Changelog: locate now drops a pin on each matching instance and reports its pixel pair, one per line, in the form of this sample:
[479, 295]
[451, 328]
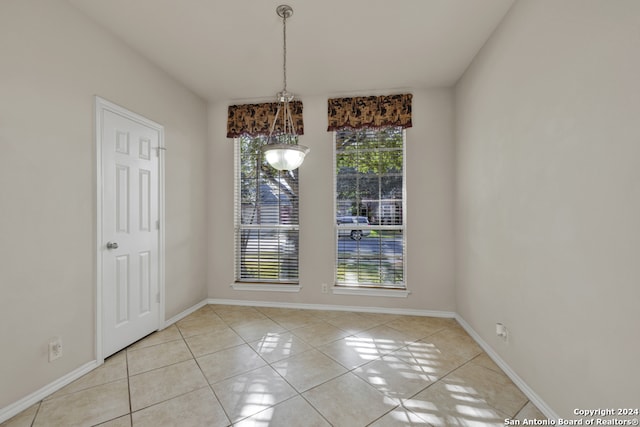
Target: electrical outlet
[501, 331]
[55, 349]
[325, 288]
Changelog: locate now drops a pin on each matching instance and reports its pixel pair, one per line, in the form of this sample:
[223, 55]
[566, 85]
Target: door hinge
[158, 297]
[158, 225]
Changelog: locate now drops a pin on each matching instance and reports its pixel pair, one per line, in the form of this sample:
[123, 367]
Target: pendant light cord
[284, 50]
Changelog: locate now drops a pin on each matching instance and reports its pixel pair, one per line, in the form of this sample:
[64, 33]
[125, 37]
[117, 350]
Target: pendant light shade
[285, 156]
[284, 153]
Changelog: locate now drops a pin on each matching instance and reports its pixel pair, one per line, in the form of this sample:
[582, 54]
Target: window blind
[370, 207]
[266, 217]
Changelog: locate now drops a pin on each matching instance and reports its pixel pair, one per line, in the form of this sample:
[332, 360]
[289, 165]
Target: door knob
[112, 245]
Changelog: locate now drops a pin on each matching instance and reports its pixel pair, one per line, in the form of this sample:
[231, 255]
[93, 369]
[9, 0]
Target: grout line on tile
[164, 401]
[152, 345]
[218, 400]
[385, 414]
[521, 408]
[205, 377]
[314, 408]
[126, 361]
[50, 398]
[33, 421]
[437, 381]
[239, 420]
[160, 367]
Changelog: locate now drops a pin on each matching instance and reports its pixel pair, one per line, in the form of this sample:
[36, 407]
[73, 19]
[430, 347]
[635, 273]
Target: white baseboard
[355, 308]
[15, 408]
[184, 313]
[519, 382]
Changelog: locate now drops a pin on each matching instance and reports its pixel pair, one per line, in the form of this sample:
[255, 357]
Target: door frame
[102, 105]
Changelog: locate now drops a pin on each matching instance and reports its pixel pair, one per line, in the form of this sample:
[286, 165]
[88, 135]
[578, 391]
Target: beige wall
[53, 61]
[548, 198]
[430, 183]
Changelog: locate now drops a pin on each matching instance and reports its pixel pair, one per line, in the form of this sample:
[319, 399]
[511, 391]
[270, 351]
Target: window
[266, 217]
[369, 207]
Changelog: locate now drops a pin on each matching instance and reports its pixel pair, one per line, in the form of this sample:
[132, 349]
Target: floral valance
[370, 111]
[256, 119]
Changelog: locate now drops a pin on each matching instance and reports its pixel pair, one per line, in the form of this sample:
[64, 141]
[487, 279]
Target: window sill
[266, 287]
[370, 292]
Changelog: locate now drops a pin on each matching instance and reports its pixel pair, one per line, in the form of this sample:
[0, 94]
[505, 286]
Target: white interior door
[130, 229]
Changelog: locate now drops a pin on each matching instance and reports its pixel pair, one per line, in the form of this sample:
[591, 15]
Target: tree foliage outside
[369, 170]
[255, 174]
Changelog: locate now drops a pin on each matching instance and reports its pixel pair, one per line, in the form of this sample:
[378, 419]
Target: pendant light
[282, 151]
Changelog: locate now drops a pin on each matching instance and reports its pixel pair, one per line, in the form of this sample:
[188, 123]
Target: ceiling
[232, 49]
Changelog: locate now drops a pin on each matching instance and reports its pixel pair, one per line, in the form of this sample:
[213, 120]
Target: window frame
[256, 284]
[371, 289]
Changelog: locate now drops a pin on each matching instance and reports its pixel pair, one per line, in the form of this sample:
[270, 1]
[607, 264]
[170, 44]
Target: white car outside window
[355, 234]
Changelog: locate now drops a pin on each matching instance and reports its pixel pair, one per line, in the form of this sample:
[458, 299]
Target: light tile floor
[251, 366]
